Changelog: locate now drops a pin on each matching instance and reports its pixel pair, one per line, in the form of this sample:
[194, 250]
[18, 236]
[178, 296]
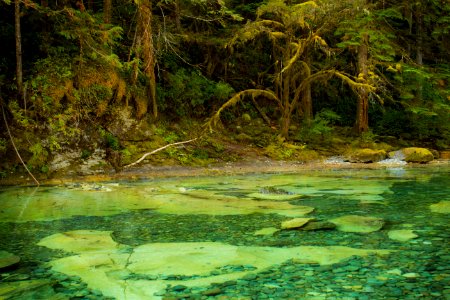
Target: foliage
[190, 93]
[320, 128]
[3, 146]
[93, 39]
[111, 141]
[85, 154]
[367, 21]
[39, 157]
[79, 72]
[279, 151]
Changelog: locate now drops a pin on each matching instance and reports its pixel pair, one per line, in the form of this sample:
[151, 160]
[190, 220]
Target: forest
[293, 79]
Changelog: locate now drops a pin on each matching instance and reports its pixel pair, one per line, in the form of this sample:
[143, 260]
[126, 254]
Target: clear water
[194, 238]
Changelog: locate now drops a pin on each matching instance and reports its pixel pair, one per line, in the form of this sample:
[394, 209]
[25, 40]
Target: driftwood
[15, 148]
[157, 150]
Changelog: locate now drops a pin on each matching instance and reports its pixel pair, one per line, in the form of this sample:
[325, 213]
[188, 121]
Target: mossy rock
[413, 154]
[242, 137]
[246, 118]
[367, 155]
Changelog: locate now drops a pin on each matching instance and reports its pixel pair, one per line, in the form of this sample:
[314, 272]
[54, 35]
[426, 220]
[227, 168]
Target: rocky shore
[247, 164]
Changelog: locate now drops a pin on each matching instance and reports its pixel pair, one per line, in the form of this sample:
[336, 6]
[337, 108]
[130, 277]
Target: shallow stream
[367, 234]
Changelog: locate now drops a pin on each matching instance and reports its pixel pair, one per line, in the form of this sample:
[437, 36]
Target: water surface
[204, 237]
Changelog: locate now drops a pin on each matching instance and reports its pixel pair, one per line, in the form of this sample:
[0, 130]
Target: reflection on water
[221, 237]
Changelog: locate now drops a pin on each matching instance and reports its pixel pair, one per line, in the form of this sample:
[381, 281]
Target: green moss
[366, 155]
[307, 155]
[86, 153]
[278, 152]
[415, 154]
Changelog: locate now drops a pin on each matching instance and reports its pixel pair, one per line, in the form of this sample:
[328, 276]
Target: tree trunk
[147, 50]
[419, 51]
[362, 110]
[91, 5]
[177, 15]
[285, 122]
[306, 102]
[19, 77]
[285, 100]
[107, 14]
[419, 40]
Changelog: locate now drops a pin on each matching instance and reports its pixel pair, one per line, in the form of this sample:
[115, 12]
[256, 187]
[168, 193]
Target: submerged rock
[354, 223]
[120, 198]
[8, 259]
[402, 235]
[281, 197]
[28, 289]
[273, 190]
[413, 154]
[442, 207]
[318, 225]
[194, 264]
[266, 231]
[81, 241]
[295, 223]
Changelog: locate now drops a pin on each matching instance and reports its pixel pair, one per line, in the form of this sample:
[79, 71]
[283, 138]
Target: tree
[290, 32]
[363, 33]
[19, 76]
[144, 50]
[362, 109]
[107, 11]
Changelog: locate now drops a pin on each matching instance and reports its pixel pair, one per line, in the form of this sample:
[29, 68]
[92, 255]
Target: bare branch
[17, 151]
[157, 150]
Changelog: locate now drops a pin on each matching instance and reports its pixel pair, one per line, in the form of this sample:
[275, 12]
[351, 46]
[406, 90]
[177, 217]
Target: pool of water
[367, 234]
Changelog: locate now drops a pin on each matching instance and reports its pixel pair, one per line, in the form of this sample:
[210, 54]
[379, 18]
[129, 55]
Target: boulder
[367, 155]
[413, 154]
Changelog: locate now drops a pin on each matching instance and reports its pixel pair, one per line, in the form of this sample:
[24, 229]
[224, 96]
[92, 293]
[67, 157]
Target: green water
[194, 238]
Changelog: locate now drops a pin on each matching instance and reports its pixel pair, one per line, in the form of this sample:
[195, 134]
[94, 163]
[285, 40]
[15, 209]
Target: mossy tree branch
[254, 93]
[324, 75]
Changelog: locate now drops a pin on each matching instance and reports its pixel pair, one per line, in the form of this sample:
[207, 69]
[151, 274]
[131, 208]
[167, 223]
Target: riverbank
[246, 165]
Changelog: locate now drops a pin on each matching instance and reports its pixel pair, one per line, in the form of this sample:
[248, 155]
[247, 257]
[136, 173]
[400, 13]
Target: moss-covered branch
[326, 74]
[238, 97]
